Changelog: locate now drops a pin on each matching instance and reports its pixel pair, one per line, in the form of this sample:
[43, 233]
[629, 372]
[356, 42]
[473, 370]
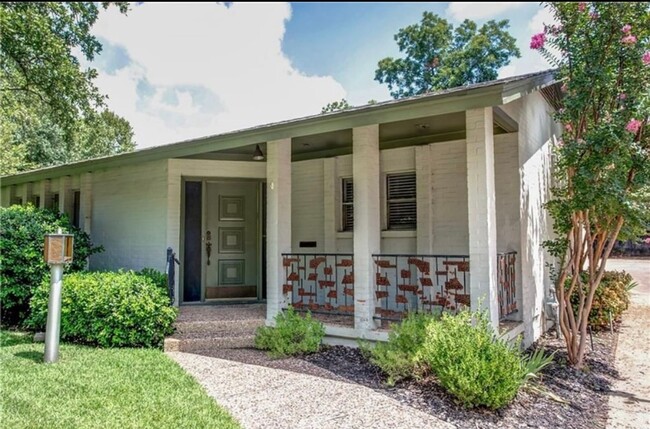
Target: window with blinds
[347, 204]
[400, 196]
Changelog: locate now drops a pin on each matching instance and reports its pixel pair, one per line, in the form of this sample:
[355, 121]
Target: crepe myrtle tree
[602, 162]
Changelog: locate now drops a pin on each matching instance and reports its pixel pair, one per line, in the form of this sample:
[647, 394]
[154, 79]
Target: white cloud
[530, 60]
[460, 11]
[199, 69]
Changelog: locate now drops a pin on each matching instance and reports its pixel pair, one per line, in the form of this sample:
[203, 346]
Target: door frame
[260, 228]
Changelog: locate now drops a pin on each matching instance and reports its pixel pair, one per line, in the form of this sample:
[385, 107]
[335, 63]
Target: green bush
[22, 268]
[399, 357]
[109, 309]
[612, 297]
[292, 335]
[471, 363]
[158, 278]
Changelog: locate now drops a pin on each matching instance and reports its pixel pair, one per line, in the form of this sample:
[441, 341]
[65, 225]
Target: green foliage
[437, 56]
[335, 106]
[292, 335]
[109, 309]
[158, 278]
[51, 111]
[612, 297]
[602, 174]
[22, 268]
[470, 363]
[399, 357]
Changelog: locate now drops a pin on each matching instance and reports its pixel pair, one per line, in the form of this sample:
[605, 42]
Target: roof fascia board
[455, 101]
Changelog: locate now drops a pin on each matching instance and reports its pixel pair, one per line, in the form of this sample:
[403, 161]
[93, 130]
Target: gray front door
[231, 240]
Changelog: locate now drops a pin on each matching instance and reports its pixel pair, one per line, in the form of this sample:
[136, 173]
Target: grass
[99, 388]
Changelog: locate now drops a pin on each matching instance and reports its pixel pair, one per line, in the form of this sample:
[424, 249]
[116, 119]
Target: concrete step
[218, 327]
[196, 343]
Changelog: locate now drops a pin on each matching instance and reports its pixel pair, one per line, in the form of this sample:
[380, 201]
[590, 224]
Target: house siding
[129, 216]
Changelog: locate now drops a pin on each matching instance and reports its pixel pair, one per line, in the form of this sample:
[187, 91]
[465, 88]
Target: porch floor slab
[262, 397]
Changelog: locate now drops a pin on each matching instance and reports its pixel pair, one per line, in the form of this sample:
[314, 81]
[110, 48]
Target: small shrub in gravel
[399, 357]
[470, 363]
[109, 309]
[292, 335]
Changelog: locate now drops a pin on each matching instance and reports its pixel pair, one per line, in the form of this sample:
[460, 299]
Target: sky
[182, 71]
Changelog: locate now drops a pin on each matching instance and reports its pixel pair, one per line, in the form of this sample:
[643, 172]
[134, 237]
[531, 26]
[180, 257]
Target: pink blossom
[568, 128]
[647, 240]
[626, 28]
[564, 87]
[594, 15]
[629, 39]
[622, 96]
[633, 126]
[582, 6]
[646, 58]
[537, 41]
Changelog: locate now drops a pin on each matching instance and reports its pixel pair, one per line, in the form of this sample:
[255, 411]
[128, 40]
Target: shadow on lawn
[33, 356]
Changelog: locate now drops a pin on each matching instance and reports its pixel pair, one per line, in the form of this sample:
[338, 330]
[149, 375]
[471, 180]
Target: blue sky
[179, 71]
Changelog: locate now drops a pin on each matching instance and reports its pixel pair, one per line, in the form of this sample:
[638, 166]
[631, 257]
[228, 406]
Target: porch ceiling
[410, 132]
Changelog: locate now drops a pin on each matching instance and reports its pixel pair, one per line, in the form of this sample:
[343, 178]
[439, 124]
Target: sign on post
[58, 252]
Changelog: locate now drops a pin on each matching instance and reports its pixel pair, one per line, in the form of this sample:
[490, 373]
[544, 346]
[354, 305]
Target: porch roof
[492, 93]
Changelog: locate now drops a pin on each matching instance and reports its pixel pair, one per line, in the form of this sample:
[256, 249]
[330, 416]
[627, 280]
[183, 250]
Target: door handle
[208, 245]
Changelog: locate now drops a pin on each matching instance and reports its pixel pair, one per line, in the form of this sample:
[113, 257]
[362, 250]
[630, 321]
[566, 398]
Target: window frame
[389, 200]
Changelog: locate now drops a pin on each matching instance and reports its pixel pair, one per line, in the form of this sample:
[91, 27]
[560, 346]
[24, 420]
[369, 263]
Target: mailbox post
[58, 252]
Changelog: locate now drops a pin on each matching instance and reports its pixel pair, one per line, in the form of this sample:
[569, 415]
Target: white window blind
[401, 194]
[347, 202]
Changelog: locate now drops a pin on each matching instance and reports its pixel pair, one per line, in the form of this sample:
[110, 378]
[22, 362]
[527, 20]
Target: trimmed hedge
[109, 309]
[22, 268]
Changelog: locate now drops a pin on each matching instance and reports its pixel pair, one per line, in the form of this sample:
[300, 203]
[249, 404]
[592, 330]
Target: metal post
[53, 326]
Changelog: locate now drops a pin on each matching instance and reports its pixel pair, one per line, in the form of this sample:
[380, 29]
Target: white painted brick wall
[449, 181]
[129, 212]
[536, 132]
[308, 204]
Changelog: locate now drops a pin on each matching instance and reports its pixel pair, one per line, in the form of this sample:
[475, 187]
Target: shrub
[612, 296]
[109, 309]
[292, 335]
[471, 363]
[22, 268]
[399, 357]
[158, 278]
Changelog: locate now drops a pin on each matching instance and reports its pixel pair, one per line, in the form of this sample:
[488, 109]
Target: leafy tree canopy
[437, 56]
[48, 103]
[335, 106]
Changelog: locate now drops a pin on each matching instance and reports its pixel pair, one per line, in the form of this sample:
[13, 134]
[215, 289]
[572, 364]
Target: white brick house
[417, 204]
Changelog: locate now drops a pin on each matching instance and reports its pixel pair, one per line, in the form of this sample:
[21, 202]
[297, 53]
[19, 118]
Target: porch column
[46, 194]
[28, 193]
[482, 212]
[365, 173]
[66, 203]
[278, 221]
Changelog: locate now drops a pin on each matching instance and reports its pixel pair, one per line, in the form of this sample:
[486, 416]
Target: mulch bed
[585, 391]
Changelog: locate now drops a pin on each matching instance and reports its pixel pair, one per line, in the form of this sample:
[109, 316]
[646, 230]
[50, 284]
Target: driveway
[629, 401]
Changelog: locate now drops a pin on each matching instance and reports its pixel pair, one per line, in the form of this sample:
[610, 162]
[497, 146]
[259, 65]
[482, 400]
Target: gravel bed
[586, 391]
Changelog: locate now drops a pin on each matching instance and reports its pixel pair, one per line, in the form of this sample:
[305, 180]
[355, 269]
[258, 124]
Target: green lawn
[99, 388]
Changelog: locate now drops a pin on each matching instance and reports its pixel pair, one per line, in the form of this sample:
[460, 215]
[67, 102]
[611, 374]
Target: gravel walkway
[262, 397]
[629, 401]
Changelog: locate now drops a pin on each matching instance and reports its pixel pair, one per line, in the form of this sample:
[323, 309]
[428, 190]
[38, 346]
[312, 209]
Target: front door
[231, 246]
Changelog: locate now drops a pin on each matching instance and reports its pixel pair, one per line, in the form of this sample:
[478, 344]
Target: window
[347, 202]
[36, 200]
[400, 196]
[76, 206]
